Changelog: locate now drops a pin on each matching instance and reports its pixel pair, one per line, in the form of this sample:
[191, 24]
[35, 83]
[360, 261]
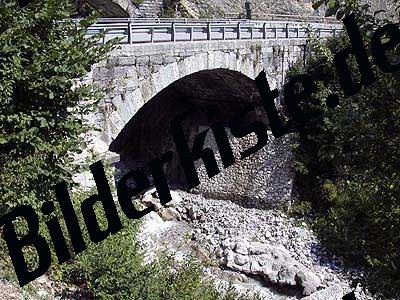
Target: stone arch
[214, 95]
[147, 81]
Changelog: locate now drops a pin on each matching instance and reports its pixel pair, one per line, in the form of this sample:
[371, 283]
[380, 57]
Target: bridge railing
[131, 31]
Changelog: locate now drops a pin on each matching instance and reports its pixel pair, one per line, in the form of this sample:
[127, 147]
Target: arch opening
[213, 96]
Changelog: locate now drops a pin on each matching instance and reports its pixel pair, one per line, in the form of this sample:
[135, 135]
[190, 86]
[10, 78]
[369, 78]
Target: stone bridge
[149, 82]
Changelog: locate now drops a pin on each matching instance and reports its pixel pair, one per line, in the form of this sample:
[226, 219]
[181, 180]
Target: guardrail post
[287, 30]
[191, 33]
[209, 31]
[251, 32]
[129, 33]
[104, 35]
[264, 31]
[297, 31]
[238, 31]
[223, 32]
[275, 32]
[173, 31]
[151, 34]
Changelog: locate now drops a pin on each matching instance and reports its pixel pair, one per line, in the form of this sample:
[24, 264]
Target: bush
[114, 269]
[168, 12]
[43, 54]
[42, 110]
[348, 168]
[137, 2]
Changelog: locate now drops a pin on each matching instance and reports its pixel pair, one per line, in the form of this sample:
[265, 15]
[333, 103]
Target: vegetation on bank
[42, 104]
[347, 159]
[114, 269]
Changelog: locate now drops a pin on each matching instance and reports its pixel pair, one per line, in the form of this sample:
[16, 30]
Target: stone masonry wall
[262, 180]
[134, 74]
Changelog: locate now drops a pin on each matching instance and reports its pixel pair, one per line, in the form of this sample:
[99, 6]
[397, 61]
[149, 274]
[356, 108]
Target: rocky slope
[234, 8]
[261, 251]
[210, 8]
[197, 8]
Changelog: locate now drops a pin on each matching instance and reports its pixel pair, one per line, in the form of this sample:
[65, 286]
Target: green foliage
[42, 103]
[114, 269]
[168, 12]
[340, 8]
[300, 208]
[137, 2]
[348, 167]
[209, 11]
[169, 9]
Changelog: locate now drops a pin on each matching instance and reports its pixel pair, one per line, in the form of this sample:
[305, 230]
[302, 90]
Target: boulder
[334, 292]
[274, 264]
[169, 214]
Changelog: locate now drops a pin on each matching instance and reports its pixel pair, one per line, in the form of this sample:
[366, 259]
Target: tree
[43, 54]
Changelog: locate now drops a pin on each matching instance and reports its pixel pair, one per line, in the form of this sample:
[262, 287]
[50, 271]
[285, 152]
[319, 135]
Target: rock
[226, 244]
[148, 200]
[115, 8]
[150, 197]
[168, 214]
[152, 218]
[257, 248]
[266, 247]
[176, 200]
[334, 292]
[218, 253]
[274, 264]
[309, 281]
[243, 278]
[287, 276]
[220, 230]
[192, 212]
[241, 248]
[241, 259]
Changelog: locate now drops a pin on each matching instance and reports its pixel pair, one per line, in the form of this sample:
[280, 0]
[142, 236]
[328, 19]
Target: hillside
[195, 8]
[220, 8]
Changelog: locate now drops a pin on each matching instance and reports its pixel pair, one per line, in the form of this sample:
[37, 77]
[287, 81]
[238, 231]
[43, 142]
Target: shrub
[347, 165]
[42, 108]
[42, 55]
[137, 2]
[114, 269]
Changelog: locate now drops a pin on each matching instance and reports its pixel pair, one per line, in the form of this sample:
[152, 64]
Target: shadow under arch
[213, 95]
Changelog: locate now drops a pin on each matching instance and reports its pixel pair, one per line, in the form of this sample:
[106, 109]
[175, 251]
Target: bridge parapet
[132, 31]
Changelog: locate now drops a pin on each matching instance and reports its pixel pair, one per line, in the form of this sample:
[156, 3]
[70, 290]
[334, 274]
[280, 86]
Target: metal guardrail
[133, 31]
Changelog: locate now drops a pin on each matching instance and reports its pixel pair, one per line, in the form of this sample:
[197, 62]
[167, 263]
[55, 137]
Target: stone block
[127, 61]
[167, 59]
[143, 71]
[156, 59]
[142, 60]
